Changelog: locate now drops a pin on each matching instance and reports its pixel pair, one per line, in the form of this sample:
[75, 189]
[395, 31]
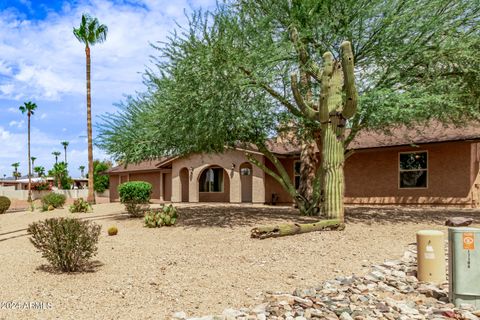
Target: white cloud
[41, 61]
[18, 124]
[46, 61]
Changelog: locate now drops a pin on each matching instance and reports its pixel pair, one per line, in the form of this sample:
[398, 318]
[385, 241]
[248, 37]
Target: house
[432, 165]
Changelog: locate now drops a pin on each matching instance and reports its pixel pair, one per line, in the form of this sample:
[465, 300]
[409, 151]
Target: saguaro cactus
[332, 112]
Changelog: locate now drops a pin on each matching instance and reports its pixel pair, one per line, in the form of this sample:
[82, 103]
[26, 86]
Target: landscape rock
[458, 222]
[388, 291]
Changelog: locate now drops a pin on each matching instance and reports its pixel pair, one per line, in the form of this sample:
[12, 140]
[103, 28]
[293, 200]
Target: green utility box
[464, 265]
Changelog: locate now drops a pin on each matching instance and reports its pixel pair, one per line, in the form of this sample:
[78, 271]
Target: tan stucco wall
[372, 176]
[151, 177]
[114, 182]
[199, 162]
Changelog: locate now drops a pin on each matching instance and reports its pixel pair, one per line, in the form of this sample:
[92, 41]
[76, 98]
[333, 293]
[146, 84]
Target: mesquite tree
[226, 80]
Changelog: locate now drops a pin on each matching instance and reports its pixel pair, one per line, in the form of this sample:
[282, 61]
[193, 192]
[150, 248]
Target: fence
[11, 193]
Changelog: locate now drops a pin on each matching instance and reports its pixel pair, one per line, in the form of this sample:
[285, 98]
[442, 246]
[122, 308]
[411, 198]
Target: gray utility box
[464, 265]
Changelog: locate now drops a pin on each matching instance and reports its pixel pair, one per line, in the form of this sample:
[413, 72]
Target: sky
[41, 61]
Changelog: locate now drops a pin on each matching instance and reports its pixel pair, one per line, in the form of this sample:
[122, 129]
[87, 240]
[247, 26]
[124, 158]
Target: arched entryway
[246, 172]
[184, 184]
[214, 185]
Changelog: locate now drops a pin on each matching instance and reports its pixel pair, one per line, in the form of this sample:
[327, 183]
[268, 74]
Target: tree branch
[273, 93]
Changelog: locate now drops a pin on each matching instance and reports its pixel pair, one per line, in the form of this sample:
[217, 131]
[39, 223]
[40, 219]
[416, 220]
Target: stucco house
[434, 165]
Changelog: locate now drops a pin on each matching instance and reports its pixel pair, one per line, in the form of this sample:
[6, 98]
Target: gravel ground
[203, 265]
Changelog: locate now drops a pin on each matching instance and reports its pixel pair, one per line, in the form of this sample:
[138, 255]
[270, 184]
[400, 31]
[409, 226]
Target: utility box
[431, 256]
[464, 265]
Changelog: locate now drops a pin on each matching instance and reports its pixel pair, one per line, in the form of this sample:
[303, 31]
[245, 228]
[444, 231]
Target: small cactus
[166, 217]
[112, 231]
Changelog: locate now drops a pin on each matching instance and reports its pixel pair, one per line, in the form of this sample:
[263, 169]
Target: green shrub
[66, 243]
[166, 216]
[4, 204]
[53, 199]
[135, 195]
[112, 231]
[80, 205]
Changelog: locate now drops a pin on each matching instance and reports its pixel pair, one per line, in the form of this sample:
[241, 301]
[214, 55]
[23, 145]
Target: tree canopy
[226, 78]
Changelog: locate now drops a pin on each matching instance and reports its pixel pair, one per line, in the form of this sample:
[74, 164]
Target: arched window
[211, 180]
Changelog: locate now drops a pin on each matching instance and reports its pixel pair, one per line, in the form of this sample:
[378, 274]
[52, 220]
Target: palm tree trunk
[29, 164]
[65, 150]
[91, 195]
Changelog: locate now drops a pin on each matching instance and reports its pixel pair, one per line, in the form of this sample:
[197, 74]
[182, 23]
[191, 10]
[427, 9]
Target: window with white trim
[211, 180]
[296, 173]
[413, 168]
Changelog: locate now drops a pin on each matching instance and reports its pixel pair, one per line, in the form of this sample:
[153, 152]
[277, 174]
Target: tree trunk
[295, 228]
[65, 150]
[308, 169]
[29, 164]
[91, 194]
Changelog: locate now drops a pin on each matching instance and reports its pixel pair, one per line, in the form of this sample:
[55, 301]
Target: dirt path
[205, 264]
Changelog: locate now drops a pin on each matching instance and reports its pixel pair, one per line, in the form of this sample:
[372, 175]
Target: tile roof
[148, 165]
[397, 136]
[433, 132]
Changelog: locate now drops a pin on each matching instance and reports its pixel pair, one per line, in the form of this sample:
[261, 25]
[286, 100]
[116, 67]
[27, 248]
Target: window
[413, 169]
[296, 173]
[245, 171]
[211, 180]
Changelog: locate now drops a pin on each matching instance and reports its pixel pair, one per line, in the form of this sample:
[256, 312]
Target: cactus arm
[350, 104]
[277, 96]
[325, 87]
[306, 109]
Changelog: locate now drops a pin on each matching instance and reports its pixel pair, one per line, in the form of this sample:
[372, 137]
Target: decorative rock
[345, 316]
[388, 291]
[458, 222]
[179, 315]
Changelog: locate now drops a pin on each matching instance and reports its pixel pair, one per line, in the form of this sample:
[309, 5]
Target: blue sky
[41, 61]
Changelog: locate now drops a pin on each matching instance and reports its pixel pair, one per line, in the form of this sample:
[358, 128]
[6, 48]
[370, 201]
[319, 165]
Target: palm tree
[81, 168]
[89, 33]
[33, 162]
[28, 108]
[15, 166]
[56, 154]
[40, 171]
[65, 145]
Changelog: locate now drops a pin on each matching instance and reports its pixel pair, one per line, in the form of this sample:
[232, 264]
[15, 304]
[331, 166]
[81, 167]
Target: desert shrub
[135, 195]
[80, 205]
[66, 243]
[166, 216]
[112, 231]
[4, 204]
[53, 199]
[41, 186]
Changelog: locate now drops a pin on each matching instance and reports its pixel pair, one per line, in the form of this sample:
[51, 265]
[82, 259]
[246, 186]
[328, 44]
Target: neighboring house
[22, 182]
[434, 165]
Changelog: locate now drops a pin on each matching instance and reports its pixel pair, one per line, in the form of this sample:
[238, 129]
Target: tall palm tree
[65, 145]
[15, 167]
[90, 32]
[40, 171]
[56, 154]
[81, 168]
[29, 108]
